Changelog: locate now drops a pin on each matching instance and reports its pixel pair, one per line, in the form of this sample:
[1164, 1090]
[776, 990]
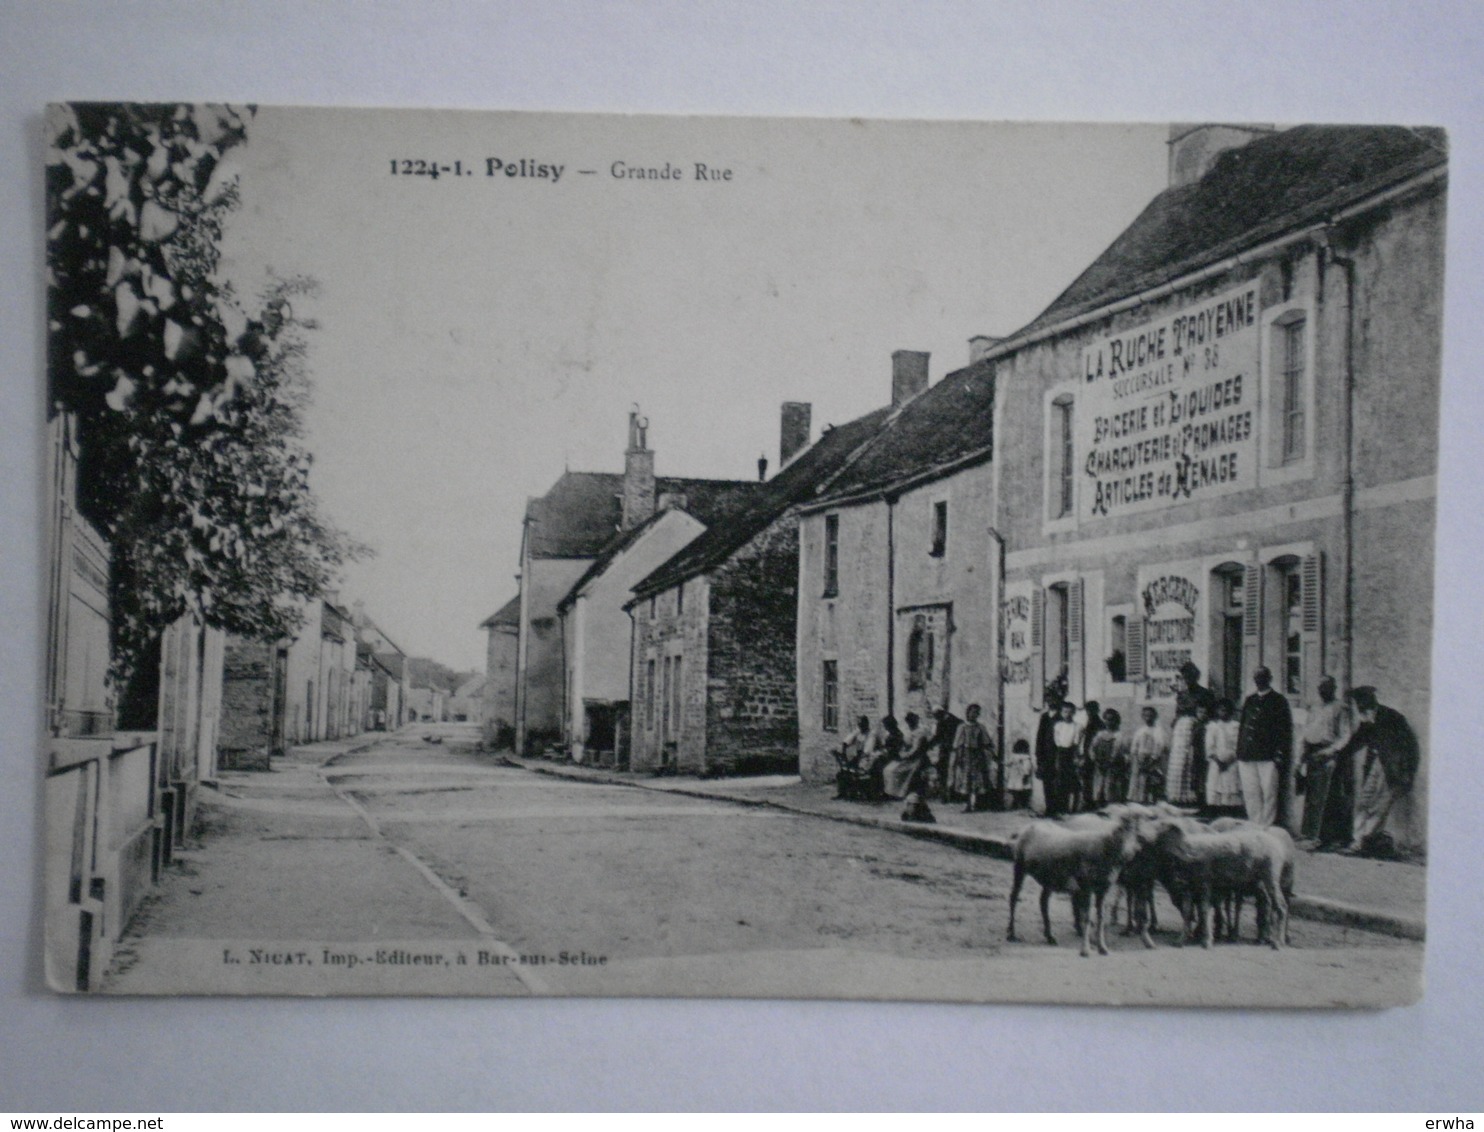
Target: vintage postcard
[546, 554]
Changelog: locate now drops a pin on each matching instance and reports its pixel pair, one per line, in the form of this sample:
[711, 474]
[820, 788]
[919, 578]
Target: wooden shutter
[1076, 640]
[1038, 646]
[1311, 590]
[1134, 667]
[1251, 621]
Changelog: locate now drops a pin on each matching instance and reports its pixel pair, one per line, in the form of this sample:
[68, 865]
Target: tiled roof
[507, 614]
[943, 427]
[580, 514]
[794, 484]
[1250, 195]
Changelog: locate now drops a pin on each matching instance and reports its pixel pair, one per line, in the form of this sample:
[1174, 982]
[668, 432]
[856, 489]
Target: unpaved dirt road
[549, 885]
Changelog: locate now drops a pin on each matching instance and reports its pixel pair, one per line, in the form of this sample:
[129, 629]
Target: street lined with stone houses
[372, 865]
[1167, 542]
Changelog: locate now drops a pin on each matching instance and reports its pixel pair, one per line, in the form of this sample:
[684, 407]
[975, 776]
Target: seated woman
[904, 774]
[850, 759]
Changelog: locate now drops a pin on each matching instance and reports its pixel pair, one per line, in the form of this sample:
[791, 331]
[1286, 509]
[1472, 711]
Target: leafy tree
[190, 409]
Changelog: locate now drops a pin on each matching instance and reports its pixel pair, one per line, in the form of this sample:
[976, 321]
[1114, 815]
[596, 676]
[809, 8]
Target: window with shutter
[1038, 646]
[1252, 620]
[1134, 662]
[1311, 598]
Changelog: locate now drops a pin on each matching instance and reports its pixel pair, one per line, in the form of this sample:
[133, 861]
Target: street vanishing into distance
[417, 863]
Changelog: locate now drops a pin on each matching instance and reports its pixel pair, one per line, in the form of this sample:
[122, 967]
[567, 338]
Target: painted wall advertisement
[1167, 411]
[1172, 600]
[1015, 615]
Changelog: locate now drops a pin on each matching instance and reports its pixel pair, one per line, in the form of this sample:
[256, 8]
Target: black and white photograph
[536, 554]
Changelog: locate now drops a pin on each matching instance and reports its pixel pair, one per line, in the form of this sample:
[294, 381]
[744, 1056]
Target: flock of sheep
[1208, 869]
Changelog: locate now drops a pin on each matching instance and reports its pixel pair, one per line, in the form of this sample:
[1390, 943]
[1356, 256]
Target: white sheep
[1205, 864]
[1084, 862]
[1285, 877]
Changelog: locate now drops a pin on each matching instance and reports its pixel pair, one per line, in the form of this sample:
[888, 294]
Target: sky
[481, 332]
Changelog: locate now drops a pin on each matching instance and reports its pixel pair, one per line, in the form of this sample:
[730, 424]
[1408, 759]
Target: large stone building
[1219, 444]
[565, 531]
[898, 570]
[714, 632]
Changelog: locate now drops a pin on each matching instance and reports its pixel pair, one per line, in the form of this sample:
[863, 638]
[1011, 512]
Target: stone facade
[910, 622]
[732, 708]
[1254, 569]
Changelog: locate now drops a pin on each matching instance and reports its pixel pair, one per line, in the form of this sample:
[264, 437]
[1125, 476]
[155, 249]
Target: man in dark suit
[1264, 745]
[1391, 759]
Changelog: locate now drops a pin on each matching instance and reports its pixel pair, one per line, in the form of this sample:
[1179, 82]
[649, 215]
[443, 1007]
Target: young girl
[1223, 783]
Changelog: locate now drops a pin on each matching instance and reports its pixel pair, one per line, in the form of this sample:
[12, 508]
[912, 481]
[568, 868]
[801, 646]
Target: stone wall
[752, 721]
[245, 738]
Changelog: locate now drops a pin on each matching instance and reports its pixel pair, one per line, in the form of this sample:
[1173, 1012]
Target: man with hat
[1264, 745]
[1391, 759]
[1329, 786]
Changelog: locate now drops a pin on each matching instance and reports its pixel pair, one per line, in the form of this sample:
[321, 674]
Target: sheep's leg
[1146, 915]
[1079, 905]
[1014, 896]
[1234, 924]
[1046, 914]
[1206, 917]
[1102, 933]
[1278, 922]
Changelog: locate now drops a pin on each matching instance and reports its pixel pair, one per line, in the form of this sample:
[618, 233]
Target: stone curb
[1319, 908]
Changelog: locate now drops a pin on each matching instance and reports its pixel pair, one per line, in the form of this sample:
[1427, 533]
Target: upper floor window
[1291, 349]
[831, 555]
[1062, 458]
[679, 599]
[940, 529]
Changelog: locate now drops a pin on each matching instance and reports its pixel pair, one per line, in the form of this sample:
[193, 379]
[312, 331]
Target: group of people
[947, 759]
[1229, 763]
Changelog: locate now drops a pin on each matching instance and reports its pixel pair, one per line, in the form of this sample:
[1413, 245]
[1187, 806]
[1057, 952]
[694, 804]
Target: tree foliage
[190, 408]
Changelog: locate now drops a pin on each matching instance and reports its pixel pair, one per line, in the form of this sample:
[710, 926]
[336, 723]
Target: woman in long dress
[971, 753]
[1182, 784]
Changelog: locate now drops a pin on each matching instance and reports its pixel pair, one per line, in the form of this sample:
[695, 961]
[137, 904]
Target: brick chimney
[638, 473]
[793, 432]
[909, 375]
[1195, 146]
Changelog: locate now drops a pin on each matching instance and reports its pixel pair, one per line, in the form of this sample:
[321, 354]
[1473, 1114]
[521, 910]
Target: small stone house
[714, 627]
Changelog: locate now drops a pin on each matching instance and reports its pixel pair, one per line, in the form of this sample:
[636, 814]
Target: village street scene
[453, 635]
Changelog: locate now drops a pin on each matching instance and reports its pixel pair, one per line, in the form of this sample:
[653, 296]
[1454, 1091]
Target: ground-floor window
[830, 684]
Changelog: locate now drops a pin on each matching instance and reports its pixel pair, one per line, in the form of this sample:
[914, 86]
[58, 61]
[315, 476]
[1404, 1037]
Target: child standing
[1105, 750]
[1148, 750]
[1018, 769]
[1223, 783]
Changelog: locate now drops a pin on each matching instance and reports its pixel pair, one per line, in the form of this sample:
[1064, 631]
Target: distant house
[503, 627]
[713, 646]
[564, 532]
[466, 704]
